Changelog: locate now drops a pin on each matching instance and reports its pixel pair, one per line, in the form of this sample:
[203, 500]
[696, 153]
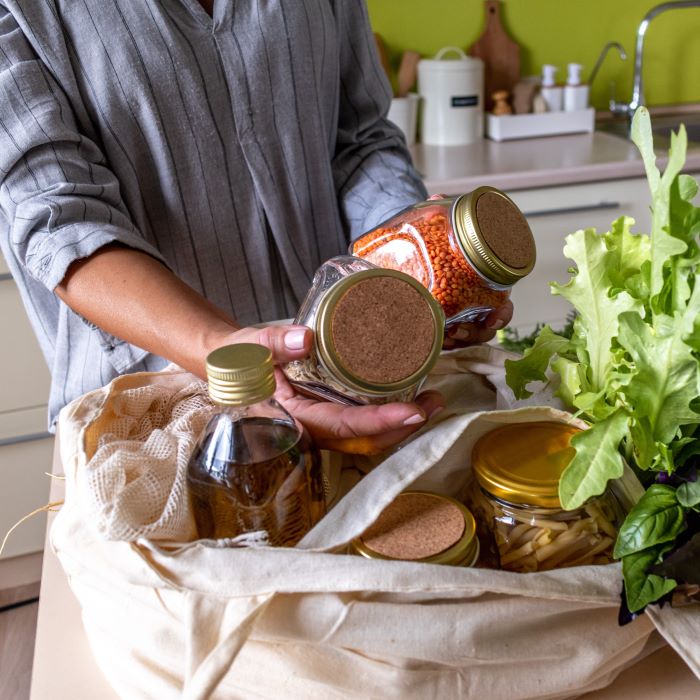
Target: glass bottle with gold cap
[254, 474]
[468, 250]
[515, 498]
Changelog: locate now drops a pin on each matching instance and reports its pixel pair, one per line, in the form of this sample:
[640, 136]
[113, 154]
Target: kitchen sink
[661, 126]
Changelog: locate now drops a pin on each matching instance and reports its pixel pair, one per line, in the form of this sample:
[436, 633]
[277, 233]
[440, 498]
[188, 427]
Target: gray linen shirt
[242, 150]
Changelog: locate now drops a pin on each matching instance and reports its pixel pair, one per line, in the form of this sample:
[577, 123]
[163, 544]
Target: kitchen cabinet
[25, 444]
[555, 212]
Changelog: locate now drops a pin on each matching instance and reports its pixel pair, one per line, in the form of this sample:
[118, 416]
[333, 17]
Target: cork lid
[415, 526]
[380, 329]
[421, 526]
[494, 234]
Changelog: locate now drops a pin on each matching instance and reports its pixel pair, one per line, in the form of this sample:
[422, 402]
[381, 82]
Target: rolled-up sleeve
[372, 166]
[60, 200]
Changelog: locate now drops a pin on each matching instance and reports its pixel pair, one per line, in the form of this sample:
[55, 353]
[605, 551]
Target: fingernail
[415, 418]
[437, 410]
[462, 334]
[497, 324]
[294, 340]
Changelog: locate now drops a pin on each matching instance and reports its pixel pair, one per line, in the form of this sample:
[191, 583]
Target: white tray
[522, 126]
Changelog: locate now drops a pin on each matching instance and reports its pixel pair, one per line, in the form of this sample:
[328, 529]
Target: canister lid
[522, 462]
[422, 526]
[379, 330]
[494, 235]
[450, 59]
[240, 374]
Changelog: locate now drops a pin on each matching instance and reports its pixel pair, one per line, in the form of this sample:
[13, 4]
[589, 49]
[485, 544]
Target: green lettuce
[631, 366]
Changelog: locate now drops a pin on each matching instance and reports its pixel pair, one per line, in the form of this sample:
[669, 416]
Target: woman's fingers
[500, 317]
[286, 342]
[473, 333]
[360, 429]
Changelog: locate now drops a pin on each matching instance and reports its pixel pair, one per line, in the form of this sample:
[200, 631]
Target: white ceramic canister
[452, 92]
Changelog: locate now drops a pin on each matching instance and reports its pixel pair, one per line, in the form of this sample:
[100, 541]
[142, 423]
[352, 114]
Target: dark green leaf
[688, 494]
[656, 518]
[641, 586]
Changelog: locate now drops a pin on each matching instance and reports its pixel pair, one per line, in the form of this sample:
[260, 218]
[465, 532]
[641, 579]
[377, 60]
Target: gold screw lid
[522, 463]
[422, 526]
[494, 235]
[240, 374]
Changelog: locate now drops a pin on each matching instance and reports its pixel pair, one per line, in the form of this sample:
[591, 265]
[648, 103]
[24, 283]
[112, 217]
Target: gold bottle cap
[379, 331]
[422, 526]
[494, 235]
[240, 374]
[522, 463]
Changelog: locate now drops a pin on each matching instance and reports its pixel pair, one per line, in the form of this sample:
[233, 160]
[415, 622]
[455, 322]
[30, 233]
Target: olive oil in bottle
[254, 470]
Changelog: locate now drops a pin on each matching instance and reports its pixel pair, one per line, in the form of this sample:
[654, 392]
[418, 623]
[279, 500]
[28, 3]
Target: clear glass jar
[467, 250]
[420, 526]
[514, 496]
[254, 475]
[377, 334]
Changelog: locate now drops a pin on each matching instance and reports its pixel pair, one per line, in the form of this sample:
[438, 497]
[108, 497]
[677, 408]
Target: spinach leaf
[656, 518]
[688, 494]
[641, 586]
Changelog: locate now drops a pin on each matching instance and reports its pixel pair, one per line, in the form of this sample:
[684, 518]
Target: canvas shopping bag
[199, 619]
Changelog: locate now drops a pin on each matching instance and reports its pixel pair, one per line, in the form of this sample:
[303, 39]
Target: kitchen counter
[64, 668]
[535, 162]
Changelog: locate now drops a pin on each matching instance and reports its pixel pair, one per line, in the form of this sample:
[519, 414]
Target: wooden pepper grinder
[500, 103]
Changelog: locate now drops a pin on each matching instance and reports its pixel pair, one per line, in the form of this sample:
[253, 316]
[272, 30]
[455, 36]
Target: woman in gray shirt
[175, 170]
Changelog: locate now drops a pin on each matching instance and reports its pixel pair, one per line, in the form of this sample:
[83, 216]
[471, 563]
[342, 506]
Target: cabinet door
[555, 212]
[24, 487]
[25, 376]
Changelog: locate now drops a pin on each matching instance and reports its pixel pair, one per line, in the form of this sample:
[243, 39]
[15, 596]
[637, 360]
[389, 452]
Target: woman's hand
[473, 333]
[353, 429]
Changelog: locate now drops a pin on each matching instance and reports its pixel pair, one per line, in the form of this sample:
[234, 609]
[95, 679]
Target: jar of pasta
[377, 334]
[514, 496]
[468, 250]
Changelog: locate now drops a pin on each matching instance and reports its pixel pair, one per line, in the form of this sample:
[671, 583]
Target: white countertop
[535, 162]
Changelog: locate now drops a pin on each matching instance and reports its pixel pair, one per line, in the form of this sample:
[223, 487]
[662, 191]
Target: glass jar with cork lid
[468, 250]
[515, 498]
[377, 334]
[421, 526]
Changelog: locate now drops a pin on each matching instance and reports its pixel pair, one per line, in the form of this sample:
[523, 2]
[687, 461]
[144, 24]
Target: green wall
[560, 32]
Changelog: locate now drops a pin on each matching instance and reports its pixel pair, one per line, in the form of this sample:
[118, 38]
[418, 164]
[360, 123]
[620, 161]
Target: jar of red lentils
[468, 250]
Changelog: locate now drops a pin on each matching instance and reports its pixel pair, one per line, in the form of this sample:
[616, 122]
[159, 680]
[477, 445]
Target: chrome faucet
[637, 100]
[603, 54]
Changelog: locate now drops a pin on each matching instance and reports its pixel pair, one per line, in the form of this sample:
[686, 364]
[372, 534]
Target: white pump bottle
[550, 91]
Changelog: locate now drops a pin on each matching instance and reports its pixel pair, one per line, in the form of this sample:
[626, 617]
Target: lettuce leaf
[631, 367]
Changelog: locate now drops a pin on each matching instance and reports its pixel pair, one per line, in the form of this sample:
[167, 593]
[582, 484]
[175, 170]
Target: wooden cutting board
[500, 54]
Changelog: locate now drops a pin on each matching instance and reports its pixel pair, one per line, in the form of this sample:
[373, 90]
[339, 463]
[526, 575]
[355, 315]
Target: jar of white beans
[514, 497]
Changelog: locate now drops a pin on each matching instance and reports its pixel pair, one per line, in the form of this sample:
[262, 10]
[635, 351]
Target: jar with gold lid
[420, 526]
[515, 496]
[468, 250]
[377, 334]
